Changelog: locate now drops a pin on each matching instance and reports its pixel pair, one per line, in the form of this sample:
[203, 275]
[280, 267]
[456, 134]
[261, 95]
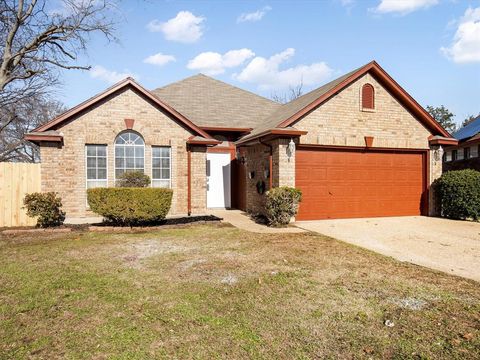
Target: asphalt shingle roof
[208, 102]
[289, 109]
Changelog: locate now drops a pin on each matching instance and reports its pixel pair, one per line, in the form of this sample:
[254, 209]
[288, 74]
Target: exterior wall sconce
[290, 149]
[438, 153]
[251, 175]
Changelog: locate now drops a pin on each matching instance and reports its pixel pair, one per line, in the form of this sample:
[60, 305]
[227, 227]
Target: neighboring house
[358, 146]
[465, 155]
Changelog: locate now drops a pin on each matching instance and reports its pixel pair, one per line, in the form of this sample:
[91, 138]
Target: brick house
[466, 154]
[358, 146]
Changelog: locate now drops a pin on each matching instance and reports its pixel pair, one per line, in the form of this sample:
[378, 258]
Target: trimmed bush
[130, 206]
[459, 194]
[46, 207]
[281, 205]
[133, 179]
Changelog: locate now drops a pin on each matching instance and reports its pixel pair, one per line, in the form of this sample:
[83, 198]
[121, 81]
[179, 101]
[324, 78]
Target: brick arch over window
[368, 97]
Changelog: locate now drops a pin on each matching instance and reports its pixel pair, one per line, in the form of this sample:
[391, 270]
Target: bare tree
[16, 120]
[37, 42]
[293, 93]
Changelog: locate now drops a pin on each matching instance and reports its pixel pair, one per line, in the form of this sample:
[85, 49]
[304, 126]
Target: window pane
[156, 162]
[129, 151]
[165, 151]
[119, 151]
[101, 173]
[101, 150]
[139, 163]
[96, 183]
[118, 172]
[91, 162]
[91, 150]
[138, 151]
[119, 163]
[161, 183]
[91, 174]
[155, 151]
[120, 140]
[165, 174]
[156, 174]
[138, 140]
[102, 162]
[129, 162]
[166, 163]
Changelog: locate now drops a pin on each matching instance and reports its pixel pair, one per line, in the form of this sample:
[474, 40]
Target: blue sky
[431, 47]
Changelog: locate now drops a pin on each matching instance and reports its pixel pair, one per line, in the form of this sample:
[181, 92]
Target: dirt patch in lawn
[217, 292]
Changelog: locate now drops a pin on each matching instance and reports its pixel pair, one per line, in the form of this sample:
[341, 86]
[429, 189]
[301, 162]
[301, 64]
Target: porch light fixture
[290, 149]
[438, 153]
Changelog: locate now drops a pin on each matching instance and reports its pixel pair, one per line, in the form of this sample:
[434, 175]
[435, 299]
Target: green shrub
[46, 207]
[133, 179]
[130, 206]
[281, 205]
[459, 194]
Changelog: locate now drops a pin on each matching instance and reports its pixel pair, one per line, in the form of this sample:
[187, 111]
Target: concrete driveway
[446, 245]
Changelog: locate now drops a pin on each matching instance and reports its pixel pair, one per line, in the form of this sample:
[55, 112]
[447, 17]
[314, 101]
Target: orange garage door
[358, 183]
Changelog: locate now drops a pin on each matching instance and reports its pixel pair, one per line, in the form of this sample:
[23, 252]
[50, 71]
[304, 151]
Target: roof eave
[271, 134]
[43, 138]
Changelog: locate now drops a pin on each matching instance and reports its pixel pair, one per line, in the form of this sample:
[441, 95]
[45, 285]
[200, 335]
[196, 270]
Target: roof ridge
[178, 81]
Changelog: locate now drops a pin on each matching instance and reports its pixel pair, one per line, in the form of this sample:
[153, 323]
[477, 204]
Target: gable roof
[212, 103]
[289, 113]
[468, 131]
[128, 82]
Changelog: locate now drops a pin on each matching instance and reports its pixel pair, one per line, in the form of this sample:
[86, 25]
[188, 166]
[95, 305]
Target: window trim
[454, 151]
[86, 166]
[367, 109]
[86, 169]
[151, 164]
[115, 155]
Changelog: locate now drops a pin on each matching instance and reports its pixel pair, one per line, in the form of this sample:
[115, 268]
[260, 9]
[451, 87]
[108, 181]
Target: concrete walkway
[241, 220]
[441, 244]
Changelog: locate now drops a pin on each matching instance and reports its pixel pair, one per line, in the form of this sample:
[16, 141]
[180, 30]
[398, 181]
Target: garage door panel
[347, 184]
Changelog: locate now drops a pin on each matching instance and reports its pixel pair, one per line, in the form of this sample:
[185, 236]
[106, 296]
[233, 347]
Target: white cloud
[403, 7]
[466, 42]
[266, 73]
[185, 27]
[212, 63]
[99, 72]
[254, 16]
[159, 59]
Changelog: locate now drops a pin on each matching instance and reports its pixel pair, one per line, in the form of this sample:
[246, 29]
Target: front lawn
[213, 291]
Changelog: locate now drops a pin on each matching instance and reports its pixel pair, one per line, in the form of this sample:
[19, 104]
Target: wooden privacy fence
[16, 180]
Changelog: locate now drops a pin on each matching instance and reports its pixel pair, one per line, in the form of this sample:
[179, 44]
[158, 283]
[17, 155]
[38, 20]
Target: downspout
[189, 180]
[270, 163]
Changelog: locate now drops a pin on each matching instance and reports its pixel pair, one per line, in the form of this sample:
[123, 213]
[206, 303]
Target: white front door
[218, 180]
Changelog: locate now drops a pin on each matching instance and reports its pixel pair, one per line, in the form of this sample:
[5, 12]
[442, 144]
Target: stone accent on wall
[257, 161]
[283, 165]
[435, 172]
[199, 183]
[63, 170]
[341, 121]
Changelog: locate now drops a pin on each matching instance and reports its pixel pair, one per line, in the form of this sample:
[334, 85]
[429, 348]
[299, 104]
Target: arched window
[368, 97]
[129, 153]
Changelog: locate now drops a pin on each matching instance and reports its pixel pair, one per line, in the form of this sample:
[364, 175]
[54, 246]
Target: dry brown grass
[218, 292]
